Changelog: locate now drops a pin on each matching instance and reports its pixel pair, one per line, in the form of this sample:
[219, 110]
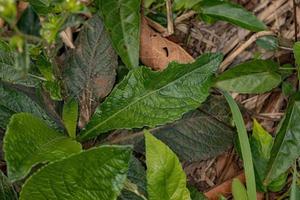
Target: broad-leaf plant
[65, 108]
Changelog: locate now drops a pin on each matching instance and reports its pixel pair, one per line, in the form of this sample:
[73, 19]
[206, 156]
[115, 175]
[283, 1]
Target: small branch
[244, 46]
[295, 19]
[170, 17]
[185, 16]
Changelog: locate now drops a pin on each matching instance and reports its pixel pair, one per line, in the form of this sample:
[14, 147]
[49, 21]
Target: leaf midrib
[143, 97]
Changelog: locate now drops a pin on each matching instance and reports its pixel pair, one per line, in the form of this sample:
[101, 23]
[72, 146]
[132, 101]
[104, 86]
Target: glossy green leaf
[287, 142]
[95, 174]
[261, 144]
[122, 20]
[90, 69]
[7, 191]
[13, 101]
[149, 98]
[70, 116]
[199, 135]
[232, 13]
[297, 57]
[256, 76]
[29, 141]
[165, 176]
[238, 190]
[244, 145]
[29, 23]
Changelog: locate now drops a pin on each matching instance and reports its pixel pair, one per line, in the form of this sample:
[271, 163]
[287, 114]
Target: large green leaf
[256, 76]
[90, 69]
[199, 135]
[122, 20]
[165, 176]
[261, 143]
[96, 174]
[149, 98]
[287, 142]
[7, 191]
[13, 101]
[29, 141]
[232, 13]
[11, 69]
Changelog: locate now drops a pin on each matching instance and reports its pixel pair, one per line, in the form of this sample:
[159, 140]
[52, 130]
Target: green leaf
[269, 42]
[196, 195]
[8, 10]
[97, 174]
[256, 76]
[231, 13]
[199, 135]
[13, 101]
[149, 98]
[7, 191]
[297, 57]
[90, 69]
[184, 4]
[245, 147]
[136, 175]
[287, 142]
[295, 189]
[122, 20]
[165, 176]
[29, 141]
[41, 6]
[261, 144]
[29, 23]
[238, 190]
[11, 67]
[70, 116]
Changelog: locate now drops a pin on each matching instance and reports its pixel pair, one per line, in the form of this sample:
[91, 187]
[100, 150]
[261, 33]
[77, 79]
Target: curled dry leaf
[157, 52]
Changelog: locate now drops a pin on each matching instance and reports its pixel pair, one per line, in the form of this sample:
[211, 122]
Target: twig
[185, 16]
[295, 19]
[156, 26]
[239, 50]
[170, 17]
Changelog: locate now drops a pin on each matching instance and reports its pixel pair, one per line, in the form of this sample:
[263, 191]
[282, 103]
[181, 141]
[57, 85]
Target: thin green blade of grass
[245, 146]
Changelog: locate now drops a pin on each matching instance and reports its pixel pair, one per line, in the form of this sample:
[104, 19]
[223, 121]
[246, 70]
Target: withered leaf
[157, 52]
[90, 69]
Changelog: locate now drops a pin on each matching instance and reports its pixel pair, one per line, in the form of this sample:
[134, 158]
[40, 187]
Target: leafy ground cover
[149, 100]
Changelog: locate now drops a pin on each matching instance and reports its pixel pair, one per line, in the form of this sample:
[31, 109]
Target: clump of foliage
[56, 99]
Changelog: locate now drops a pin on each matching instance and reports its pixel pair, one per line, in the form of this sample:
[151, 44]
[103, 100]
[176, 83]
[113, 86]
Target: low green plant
[57, 100]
